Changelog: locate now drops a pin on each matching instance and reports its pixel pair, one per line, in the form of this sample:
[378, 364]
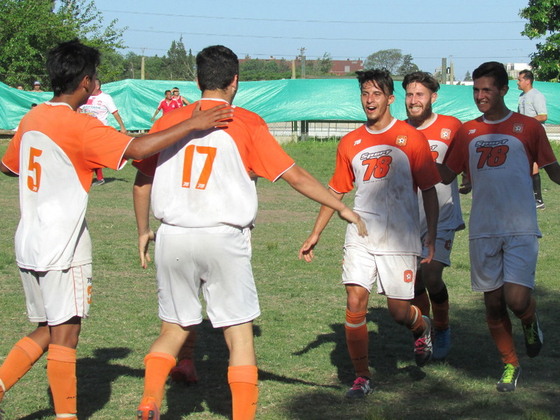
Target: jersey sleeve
[110, 104]
[456, 158]
[342, 180]
[267, 158]
[539, 103]
[11, 157]
[104, 146]
[424, 170]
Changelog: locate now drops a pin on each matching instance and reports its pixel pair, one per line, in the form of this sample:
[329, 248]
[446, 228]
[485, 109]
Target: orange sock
[61, 372]
[414, 321]
[357, 341]
[18, 362]
[243, 383]
[158, 366]
[502, 334]
[528, 316]
[422, 301]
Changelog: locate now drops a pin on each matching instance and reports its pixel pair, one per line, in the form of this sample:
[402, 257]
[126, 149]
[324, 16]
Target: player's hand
[143, 247]
[353, 217]
[123, 130]
[465, 187]
[306, 250]
[429, 243]
[215, 117]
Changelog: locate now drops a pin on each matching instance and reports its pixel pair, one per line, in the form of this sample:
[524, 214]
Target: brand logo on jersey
[518, 128]
[375, 155]
[408, 276]
[445, 133]
[401, 140]
[491, 143]
[472, 131]
[356, 142]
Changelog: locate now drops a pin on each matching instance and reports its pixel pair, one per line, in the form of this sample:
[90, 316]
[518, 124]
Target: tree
[30, 28]
[179, 64]
[389, 59]
[407, 66]
[468, 77]
[544, 20]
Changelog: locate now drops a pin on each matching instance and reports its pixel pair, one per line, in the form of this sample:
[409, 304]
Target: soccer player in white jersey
[387, 160]
[421, 92]
[54, 153]
[497, 151]
[204, 194]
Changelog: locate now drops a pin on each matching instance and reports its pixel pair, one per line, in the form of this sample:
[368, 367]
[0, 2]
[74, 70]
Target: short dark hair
[216, 67]
[492, 69]
[381, 77]
[527, 74]
[69, 63]
[422, 77]
[167, 91]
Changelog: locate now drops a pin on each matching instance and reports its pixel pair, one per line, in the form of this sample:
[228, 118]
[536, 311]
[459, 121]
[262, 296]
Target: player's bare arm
[553, 172]
[4, 169]
[431, 208]
[304, 183]
[145, 146]
[446, 174]
[141, 195]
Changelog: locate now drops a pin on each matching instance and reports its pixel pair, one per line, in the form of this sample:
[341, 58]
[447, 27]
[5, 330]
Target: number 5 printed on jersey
[204, 176]
[34, 168]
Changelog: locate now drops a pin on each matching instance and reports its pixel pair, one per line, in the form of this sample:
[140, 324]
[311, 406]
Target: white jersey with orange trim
[99, 106]
[498, 156]
[440, 132]
[54, 153]
[387, 168]
[203, 180]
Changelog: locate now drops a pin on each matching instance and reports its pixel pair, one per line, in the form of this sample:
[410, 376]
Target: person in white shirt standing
[533, 104]
[100, 105]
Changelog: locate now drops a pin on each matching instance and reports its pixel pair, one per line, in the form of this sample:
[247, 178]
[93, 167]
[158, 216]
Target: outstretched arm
[120, 121]
[141, 195]
[431, 208]
[145, 146]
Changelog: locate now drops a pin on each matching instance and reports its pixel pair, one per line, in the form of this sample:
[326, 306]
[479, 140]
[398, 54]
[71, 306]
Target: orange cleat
[147, 410]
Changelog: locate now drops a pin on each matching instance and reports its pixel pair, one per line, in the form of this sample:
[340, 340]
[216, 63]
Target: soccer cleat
[508, 381]
[533, 337]
[184, 372]
[423, 344]
[147, 410]
[441, 344]
[98, 183]
[539, 204]
[360, 388]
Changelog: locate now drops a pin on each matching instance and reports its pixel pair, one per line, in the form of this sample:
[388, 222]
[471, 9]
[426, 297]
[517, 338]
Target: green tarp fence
[275, 101]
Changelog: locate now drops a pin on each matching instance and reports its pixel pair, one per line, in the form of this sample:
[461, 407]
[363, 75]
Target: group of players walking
[196, 172]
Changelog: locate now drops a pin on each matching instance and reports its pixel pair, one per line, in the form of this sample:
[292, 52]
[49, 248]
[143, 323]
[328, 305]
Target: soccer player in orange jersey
[421, 92]
[203, 191]
[497, 151]
[387, 160]
[54, 153]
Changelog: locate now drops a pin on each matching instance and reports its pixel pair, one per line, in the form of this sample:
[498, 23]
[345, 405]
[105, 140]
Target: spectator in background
[533, 104]
[19, 87]
[177, 97]
[37, 87]
[100, 105]
[167, 104]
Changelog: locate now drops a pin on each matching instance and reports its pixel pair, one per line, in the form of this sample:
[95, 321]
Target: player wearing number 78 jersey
[203, 191]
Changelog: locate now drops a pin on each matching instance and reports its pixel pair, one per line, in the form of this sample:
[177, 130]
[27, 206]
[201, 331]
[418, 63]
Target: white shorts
[444, 245]
[499, 260]
[216, 261]
[394, 274]
[57, 296]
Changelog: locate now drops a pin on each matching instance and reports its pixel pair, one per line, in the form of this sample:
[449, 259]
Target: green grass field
[304, 366]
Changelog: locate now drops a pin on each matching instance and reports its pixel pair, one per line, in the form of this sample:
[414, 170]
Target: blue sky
[468, 33]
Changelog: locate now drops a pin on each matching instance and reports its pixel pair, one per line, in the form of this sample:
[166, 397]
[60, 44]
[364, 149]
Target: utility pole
[302, 58]
[143, 66]
[443, 71]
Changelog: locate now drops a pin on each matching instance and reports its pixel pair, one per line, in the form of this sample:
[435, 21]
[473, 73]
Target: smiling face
[487, 96]
[375, 103]
[419, 100]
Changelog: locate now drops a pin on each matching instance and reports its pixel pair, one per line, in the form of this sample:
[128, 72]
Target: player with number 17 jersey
[387, 168]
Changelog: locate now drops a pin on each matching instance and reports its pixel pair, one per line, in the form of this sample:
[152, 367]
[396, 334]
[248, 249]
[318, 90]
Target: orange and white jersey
[387, 168]
[498, 157]
[54, 153]
[440, 133]
[203, 180]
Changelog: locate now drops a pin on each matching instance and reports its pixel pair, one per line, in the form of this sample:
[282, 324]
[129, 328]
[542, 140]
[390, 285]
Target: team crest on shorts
[408, 276]
[401, 140]
[518, 128]
[445, 133]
